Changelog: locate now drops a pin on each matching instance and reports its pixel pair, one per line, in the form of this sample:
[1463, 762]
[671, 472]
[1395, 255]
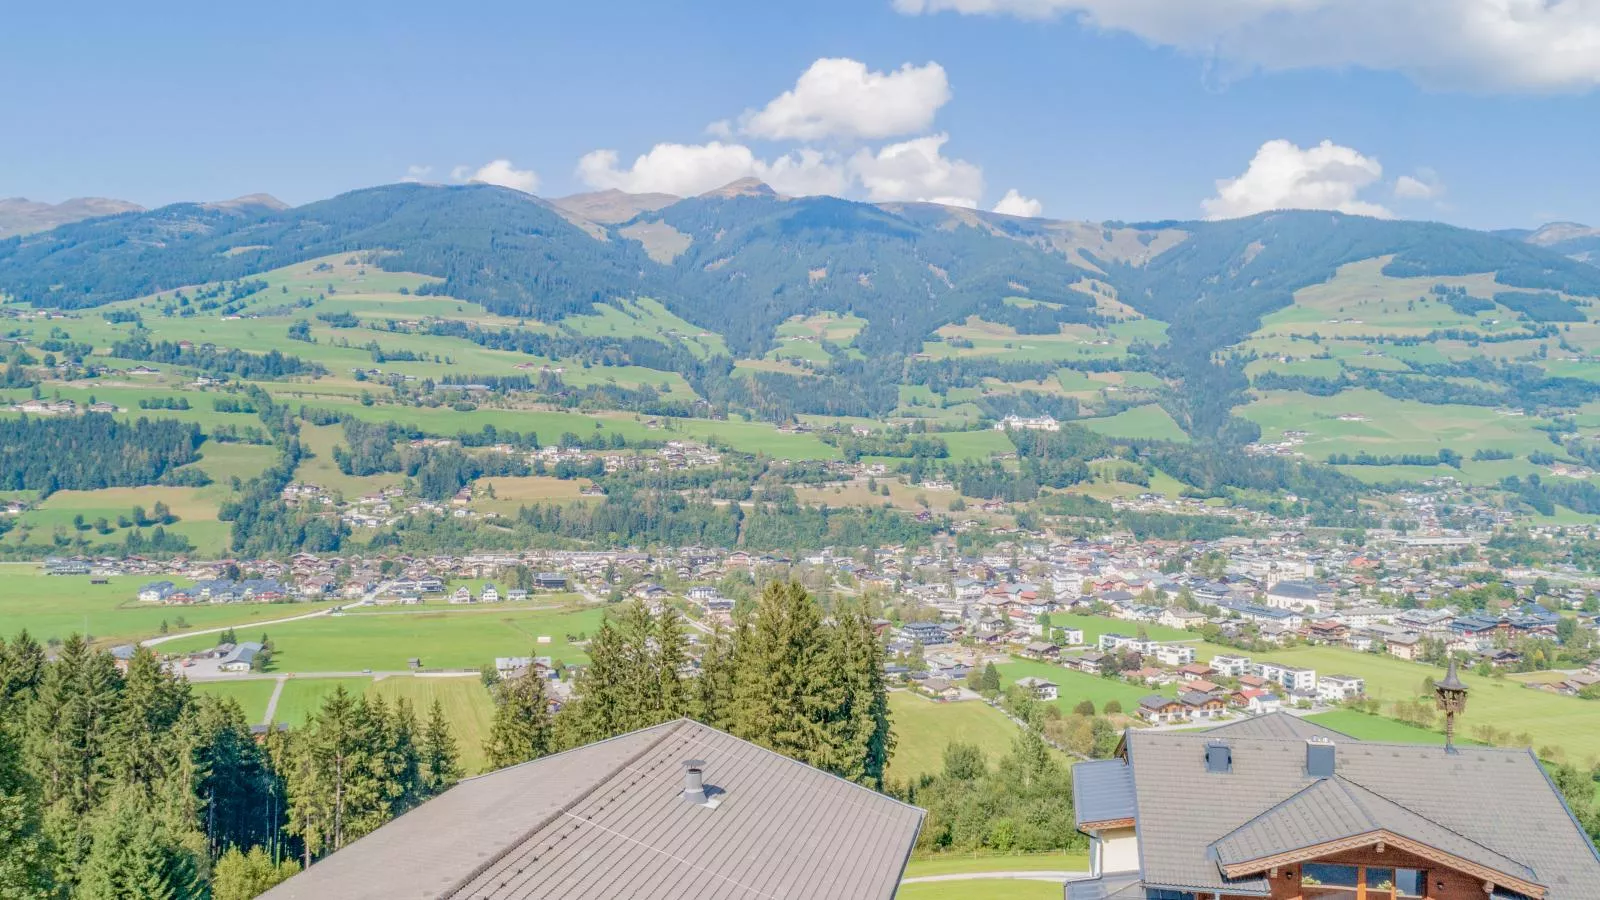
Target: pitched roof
[609, 821]
[1277, 725]
[1335, 808]
[1499, 801]
[1102, 791]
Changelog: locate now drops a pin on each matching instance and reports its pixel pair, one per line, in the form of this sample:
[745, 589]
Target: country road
[152, 642]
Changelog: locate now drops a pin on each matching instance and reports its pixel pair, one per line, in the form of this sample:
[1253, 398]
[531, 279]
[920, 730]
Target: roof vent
[694, 781]
[1320, 757]
[1219, 758]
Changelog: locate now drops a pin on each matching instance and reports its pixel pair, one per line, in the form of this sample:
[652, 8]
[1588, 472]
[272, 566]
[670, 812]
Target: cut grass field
[987, 888]
[303, 696]
[1388, 426]
[443, 638]
[195, 508]
[466, 703]
[962, 863]
[252, 695]
[923, 728]
[1076, 687]
[1148, 422]
[55, 606]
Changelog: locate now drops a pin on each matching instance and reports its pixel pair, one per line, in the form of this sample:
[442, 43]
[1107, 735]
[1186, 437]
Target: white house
[1028, 423]
[489, 594]
[1339, 688]
[1039, 688]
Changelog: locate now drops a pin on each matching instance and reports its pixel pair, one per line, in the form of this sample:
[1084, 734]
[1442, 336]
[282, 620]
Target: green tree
[441, 761]
[244, 876]
[521, 729]
[714, 688]
[861, 738]
[784, 695]
[133, 857]
[338, 786]
[24, 857]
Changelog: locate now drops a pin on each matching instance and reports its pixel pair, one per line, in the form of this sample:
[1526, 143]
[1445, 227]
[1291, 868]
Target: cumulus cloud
[918, 170]
[415, 174]
[1284, 176]
[842, 98]
[1504, 45]
[688, 169]
[1425, 185]
[1014, 204]
[500, 172]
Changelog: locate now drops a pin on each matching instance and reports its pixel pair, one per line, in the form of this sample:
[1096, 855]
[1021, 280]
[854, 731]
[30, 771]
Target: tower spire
[1452, 696]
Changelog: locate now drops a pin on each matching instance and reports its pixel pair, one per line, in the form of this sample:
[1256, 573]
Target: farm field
[957, 863]
[55, 606]
[987, 888]
[1363, 727]
[196, 509]
[252, 695]
[1076, 687]
[1387, 426]
[1148, 422]
[302, 696]
[923, 728]
[442, 639]
[466, 702]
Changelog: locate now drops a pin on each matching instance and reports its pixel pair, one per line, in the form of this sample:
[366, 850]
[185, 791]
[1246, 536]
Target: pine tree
[783, 694]
[713, 690]
[240, 794]
[521, 730]
[67, 729]
[404, 759]
[24, 858]
[22, 664]
[244, 876]
[441, 762]
[600, 707]
[134, 858]
[671, 654]
[336, 784]
[861, 736]
[142, 748]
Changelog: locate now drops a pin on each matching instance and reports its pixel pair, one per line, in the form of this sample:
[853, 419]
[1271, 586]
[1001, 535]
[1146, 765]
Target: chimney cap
[694, 765]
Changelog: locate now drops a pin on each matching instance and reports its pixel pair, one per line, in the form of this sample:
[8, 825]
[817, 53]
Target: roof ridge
[528, 833]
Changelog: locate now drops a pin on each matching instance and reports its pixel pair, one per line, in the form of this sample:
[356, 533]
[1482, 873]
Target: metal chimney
[1320, 757]
[694, 782]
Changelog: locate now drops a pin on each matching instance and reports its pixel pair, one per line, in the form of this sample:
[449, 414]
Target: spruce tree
[242, 797]
[142, 748]
[441, 762]
[336, 783]
[244, 876]
[670, 654]
[404, 759]
[713, 690]
[65, 744]
[24, 857]
[861, 738]
[22, 664]
[521, 730]
[600, 707]
[133, 857]
[784, 695]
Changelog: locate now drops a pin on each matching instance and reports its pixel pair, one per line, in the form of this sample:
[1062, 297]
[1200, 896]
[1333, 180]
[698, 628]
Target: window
[1325, 881]
[1329, 882]
[1411, 883]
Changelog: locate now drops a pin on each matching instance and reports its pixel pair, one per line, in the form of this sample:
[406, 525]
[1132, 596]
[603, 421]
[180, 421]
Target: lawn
[923, 728]
[988, 889]
[303, 696]
[55, 606]
[1363, 727]
[959, 863]
[252, 695]
[195, 509]
[1075, 687]
[460, 638]
[466, 704]
[1353, 421]
[1148, 422]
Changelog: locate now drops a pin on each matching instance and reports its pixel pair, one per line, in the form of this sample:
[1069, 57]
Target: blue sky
[1096, 109]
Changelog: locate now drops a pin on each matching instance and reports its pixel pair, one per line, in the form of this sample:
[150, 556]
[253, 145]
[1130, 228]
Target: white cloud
[500, 172]
[841, 98]
[1014, 204]
[416, 174]
[1284, 176]
[918, 170]
[689, 169]
[1425, 185]
[1507, 45]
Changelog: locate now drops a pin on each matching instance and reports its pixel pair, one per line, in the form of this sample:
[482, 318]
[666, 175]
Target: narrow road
[272, 702]
[151, 642]
[1016, 876]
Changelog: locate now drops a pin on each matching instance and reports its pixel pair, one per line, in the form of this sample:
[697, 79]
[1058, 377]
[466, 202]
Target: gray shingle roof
[1336, 808]
[1102, 791]
[1277, 725]
[608, 821]
[1497, 799]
